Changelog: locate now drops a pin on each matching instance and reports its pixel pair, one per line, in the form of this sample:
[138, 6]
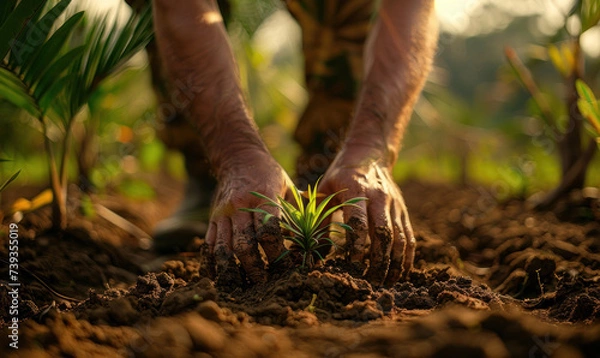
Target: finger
[355, 216]
[226, 268]
[380, 231]
[398, 246]
[245, 246]
[211, 238]
[411, 243]
[269, 234]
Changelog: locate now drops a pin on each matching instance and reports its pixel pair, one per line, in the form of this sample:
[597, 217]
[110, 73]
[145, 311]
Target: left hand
[383, 216]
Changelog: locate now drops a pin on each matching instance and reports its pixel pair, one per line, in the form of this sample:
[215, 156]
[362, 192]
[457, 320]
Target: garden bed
[490, 280]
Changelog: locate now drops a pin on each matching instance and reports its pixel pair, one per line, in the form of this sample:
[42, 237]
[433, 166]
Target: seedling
[575, 150]
[303, 223]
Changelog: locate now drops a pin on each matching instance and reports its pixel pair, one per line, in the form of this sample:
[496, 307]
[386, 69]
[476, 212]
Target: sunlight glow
[454, 16]
[212, 17]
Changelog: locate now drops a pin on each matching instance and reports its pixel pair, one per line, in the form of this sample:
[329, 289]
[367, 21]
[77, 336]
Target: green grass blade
[266, 214]
[298, 241]
[298, 199]
[323, 205]
[343, 226]
[291, 229]
[10, 180]
[351, 202]
[284, 254]
[261, 196]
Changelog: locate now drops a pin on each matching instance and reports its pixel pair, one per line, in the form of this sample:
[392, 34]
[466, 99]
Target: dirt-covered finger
[269, 234]
[227, 271]
[211, 238]
[381, 234]
[411, 244]
[398, 246]
[356, 239]
[245, 246]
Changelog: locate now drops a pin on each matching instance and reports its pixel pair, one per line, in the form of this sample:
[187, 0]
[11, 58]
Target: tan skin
[194, 46]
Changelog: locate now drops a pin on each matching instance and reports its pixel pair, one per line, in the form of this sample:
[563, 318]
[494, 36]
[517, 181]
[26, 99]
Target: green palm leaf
[36, 60]
[50, 50]
[16, 92]
[15, 21]
[107, 46]
[25, 46]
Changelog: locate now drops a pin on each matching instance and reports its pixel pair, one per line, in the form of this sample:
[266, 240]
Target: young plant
[52, 77]
[575, 151]
[304, 221]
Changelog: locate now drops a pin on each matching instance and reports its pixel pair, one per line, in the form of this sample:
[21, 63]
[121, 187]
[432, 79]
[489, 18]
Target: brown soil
[490, 280]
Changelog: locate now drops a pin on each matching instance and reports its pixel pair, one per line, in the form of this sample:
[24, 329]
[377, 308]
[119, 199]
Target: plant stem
[65, 154]
[570, 178]
[59, 213]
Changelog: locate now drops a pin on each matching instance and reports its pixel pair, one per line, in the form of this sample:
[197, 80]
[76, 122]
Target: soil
[490, 280]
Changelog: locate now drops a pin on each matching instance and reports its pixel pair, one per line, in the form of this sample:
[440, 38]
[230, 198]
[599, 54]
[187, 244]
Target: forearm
[398, 57]
[195, 49]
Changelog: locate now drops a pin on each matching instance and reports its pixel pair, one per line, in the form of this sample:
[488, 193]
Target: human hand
[383, 217]
[235, 233]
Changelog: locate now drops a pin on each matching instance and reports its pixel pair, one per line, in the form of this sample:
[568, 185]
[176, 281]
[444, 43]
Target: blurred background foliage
[474, 122]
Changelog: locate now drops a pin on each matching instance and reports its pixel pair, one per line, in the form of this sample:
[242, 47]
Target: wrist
[237, 152]
[368, 141]
[358, 153]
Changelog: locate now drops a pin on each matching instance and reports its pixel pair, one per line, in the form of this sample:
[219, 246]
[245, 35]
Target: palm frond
[35, 54]
[14, 21]
[106, 47]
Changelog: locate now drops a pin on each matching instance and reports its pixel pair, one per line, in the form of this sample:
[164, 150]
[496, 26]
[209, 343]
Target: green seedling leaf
[590, 14]
[563, 59]
[304, 221]
[526, 79]
[10, 180]
[588, 105]
[266, 214]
